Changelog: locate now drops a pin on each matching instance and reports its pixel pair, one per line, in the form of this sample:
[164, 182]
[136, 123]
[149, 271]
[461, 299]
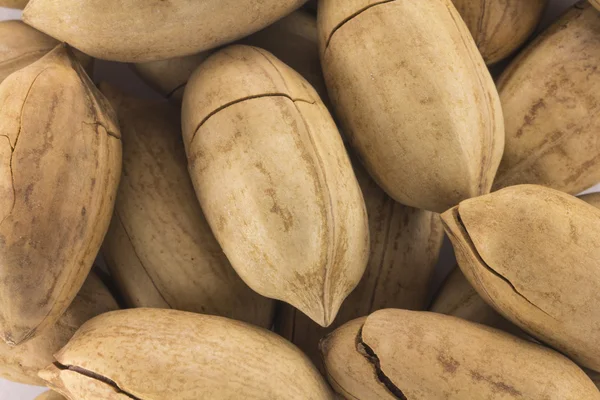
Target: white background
[122, 76]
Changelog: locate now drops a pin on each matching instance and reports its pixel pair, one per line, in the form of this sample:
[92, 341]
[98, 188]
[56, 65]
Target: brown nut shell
[153, 354]
[274, 180]
[50, 395]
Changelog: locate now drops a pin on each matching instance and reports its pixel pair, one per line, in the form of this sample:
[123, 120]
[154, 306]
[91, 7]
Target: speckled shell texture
[400, 354]
[405, 244]
[149, 30]
[500, 27]
[160, 248]
[22, 363]
[155, 354]
[531, 252]
[414, 97]
[292, 39]
[274, 180]
[551, 100]
[61, 161]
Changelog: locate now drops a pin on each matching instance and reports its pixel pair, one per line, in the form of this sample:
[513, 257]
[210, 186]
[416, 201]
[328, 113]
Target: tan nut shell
[531, 252]
[61, 160]
[21, 45]
[400, 354]
[22, 363]
[405, 244]
[50, 395]
[274, 180]
[159, 247]
[156, 354]
[417, 102]
[139, 31]
[500, 27]
[292, 39]
[14, 3]
[551, 100]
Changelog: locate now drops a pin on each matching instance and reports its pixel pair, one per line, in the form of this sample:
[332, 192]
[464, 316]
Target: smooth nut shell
[400, 354]
[156, 30]
[405, 244]
[500, 27]
[275, 181]
[22, 363]
[206, 357]
[551, 100]
[160, 248]
[531, 252]
[418, 104]
[61, 161]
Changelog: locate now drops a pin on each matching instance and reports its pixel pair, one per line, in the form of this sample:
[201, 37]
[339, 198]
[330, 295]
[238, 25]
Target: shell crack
[95, 376]
[368, 353]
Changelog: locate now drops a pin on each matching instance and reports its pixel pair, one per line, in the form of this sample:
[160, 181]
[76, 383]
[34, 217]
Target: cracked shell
[500, 27]
[60, 164]
[160, 29]
[159, 248]
[531, 252]
[275, 181]
[206, 357]
[22, 363]
[21, 45]
[50, 395]
[418, 104]
[400, 354]
[405, 245]
[551, 100]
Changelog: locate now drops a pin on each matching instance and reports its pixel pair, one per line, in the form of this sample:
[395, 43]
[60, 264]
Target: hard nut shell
[551, 100]
[206, 357]
[531, 253]
[400, 354]
[160, 30]
[159, 248]
[61, 161]
[422, 112]
[500, 27]
[22, 363]
[405, 244]
[274, 180]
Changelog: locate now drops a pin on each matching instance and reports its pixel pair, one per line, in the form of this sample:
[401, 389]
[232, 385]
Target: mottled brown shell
[531, 252]
[274, 180]
[150, 30]
[417, 102]
[400, 354]
[61, 161]
[405, 244]
[159, 248]
[22, 363]
[551, 100]
[500, 27]
[153, 354]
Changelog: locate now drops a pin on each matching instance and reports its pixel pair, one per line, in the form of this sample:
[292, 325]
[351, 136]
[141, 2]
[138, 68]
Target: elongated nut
[22, 363]
[50, 395]
[405, 244]
[292, 39]
[274, 180]
[14, 3]
[551, 99]
[160, 30]
[21, 45]
[500, 27]
[400, 354]
[418, 104]
[531, 253]
[61, 161]
[159, 247]
[166, 354]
